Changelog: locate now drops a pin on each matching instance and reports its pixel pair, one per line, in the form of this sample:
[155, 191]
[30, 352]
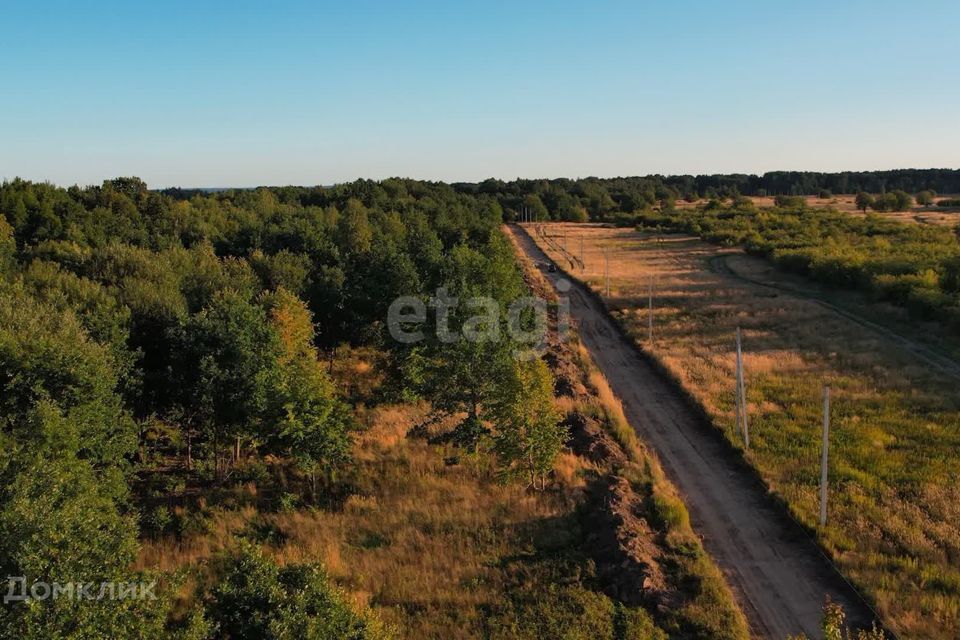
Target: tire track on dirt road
[778, 574]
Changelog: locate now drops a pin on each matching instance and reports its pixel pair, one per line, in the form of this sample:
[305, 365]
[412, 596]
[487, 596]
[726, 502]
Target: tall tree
[227, 363]
[311, 422]
[354, 233]
[529, 436]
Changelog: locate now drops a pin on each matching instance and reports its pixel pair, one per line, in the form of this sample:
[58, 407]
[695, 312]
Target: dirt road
[777, 573]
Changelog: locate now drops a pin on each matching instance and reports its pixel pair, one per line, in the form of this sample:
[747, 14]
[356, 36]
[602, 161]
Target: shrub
[569, 612]
[157, 521]
[893, 201]
[258, 600]
[789, 202]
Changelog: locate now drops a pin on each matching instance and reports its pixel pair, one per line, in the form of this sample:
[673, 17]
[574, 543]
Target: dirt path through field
[777, 573]
[721, 264]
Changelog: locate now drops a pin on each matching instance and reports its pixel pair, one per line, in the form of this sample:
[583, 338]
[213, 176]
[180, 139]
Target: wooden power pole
[736, 387]
[824, 460]
[743, 425]
[650, 312]
[606, 272]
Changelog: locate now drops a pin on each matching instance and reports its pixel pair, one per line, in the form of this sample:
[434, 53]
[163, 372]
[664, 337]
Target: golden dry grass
[421, 541]
[847, 204]
[894, 528]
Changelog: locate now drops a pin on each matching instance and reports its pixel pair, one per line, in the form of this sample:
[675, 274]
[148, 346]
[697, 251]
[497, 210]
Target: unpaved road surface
[778, 575]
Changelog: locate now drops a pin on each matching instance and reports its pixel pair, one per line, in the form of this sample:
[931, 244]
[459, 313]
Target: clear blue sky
[249, 93]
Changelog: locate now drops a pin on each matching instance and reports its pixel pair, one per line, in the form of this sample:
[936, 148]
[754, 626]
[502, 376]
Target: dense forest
[608, 198]
[601, 198]
[148, 340]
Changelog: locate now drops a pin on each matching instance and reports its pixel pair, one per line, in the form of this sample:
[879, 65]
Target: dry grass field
[894, 525]
[421, 541]
[847, 204]
[841, 202]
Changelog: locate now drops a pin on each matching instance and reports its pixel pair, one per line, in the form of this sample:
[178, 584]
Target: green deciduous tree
[529, 436]
[925, 198]
[59, 525]
[8, 246]
[64, 445]
[354, 233]
[47, 357]
[535, 207]
[312, 422]
[461, 369]
[892, 201]
[283, 269]
[227, 365]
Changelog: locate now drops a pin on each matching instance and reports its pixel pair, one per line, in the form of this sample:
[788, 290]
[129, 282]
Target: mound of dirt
[589, 440]
[623, 545]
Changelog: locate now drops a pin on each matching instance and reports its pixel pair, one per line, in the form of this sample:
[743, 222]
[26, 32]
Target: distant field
[894, 524]
[846, 203]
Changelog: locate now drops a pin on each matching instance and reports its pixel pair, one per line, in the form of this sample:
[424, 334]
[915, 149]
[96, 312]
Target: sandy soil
[777, 573]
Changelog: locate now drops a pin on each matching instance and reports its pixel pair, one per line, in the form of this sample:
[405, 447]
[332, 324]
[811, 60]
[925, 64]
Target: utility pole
[606, 271]
[650, 313]
[743, 425]
[824, 460]
[736, 387]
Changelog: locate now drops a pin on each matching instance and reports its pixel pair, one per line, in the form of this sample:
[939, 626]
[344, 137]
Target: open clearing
[777, 573]
[894, 492]
[847, 204]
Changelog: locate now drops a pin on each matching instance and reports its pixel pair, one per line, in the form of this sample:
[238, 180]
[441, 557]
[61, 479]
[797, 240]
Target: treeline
[612, 198]
[813, 183]
[578, 200]
[917, 266]
[145, 332]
